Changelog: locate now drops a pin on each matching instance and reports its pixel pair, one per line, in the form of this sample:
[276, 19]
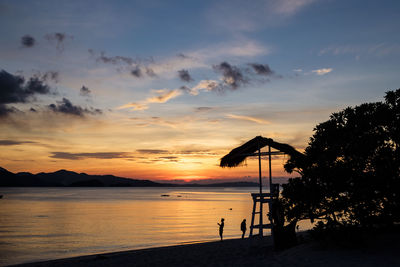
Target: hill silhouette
[65, 178]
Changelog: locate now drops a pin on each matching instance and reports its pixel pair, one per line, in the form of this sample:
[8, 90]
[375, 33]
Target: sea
[38, 224]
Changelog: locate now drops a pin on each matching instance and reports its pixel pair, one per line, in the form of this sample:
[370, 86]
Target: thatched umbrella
[239, 154]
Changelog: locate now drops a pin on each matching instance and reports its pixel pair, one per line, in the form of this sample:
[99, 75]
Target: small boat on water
[165, 195]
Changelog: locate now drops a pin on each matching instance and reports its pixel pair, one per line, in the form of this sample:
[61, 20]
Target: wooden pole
[261, 197]
[270, 191]
[270, 171]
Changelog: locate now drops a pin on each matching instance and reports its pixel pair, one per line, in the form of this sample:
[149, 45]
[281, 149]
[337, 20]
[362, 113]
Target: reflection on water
[48, 223]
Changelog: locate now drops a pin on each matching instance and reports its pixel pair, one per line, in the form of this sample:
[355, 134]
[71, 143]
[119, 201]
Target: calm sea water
[49, 223]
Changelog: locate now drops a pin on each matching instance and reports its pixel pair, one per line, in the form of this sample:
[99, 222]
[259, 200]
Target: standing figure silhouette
[221, 228]
[243, 227]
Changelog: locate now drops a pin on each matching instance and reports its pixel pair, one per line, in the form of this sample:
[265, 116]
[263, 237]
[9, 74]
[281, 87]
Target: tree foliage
[351, 174]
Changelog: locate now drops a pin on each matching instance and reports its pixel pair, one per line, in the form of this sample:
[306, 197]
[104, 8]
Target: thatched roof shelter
[239, 154]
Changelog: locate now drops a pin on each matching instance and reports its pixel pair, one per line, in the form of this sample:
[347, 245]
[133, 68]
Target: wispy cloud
[234, 16]
[289, 7]
[96, 155]
[14, 142]
[380, 49]
[322, 71]
[134, 106]
[59, 39]
[152, 151]
[247, 118]
[162, 96]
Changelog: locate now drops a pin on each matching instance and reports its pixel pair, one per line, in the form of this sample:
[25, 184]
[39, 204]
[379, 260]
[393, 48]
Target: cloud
[136, 72]
[241, 48]
[231, 75]
[289, 7]
[185, 76]
[14, 142]
[27, 41]
[49, 76]
[322, 71]
[169, 159]
[138, 67]
[261, 69]
[380, 49]
[248, 118]
[14, 89]
[84, 91]
[58, 38]
[234, 16]
[207, 85]
[164, 96]
[115, 59]
[145, 122]
[97, 155]
[66, 107]
[203, 109]
[152, 151]
[135, 106]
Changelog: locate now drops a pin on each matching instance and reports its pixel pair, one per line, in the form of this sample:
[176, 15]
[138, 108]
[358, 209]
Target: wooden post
[261, 196]
[270, 191]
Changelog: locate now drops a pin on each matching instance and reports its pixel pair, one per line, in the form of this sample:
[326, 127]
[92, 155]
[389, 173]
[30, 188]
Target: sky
[162, 90]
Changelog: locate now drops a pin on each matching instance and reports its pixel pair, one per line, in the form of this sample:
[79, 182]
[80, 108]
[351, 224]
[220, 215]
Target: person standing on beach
[243, 227]
[221, 227]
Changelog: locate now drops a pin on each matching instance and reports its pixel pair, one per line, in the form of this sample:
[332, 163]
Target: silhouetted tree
[351, 174]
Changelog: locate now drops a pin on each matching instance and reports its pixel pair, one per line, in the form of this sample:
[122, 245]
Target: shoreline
[381, 250]
[188, 254]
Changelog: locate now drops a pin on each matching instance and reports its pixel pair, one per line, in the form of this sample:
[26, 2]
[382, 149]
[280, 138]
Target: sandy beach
[379, 251]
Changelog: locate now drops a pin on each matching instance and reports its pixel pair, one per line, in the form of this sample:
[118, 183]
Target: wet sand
[382, 251]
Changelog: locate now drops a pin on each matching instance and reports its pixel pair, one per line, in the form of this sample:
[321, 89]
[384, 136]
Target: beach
[381, 250]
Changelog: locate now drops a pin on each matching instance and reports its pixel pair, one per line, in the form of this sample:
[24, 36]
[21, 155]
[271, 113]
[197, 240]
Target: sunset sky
[162, 90]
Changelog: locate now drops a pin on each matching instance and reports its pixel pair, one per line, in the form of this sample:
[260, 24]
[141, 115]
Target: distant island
[64, 178]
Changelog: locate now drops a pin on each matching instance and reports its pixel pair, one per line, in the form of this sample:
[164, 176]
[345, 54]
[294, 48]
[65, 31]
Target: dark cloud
[261, 69]
[169, 159]
[114, 60]
[59, 38]
[84, 91]
[201, 109]
[185, 76]
[50, 76]
[97, 155]
[181, 55]
[136, 72]
[14, 89]
[65, 106]
[27, 41]
[152, 151]
[150, 72]
[232, 76]
[195, 152]
[14, 142]
[32, 110]
[138, 67]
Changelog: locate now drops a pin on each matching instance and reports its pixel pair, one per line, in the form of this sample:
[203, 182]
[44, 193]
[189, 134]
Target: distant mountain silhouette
[67, 178]
[64, 178]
